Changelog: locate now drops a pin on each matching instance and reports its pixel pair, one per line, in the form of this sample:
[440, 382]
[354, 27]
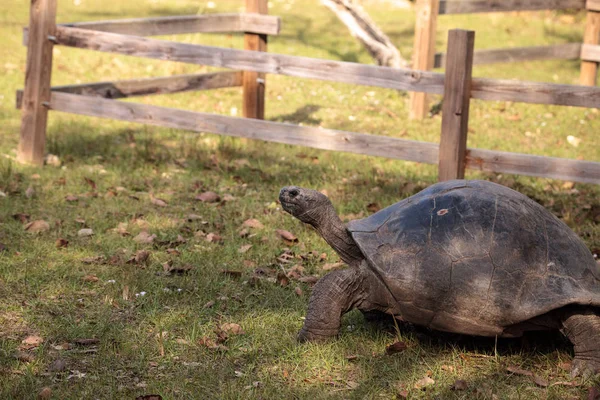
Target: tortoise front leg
[334, 294]
[583, 330]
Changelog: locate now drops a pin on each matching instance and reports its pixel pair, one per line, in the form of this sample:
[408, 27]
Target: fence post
[36, 94]
[423, 51]
[253, 82]
[589, 69]
[455, 109]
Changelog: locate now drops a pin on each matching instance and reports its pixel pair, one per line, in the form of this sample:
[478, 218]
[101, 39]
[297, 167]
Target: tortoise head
[307, 205]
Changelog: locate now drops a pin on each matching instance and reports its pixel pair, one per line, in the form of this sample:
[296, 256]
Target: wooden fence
[98, 99]
[425, 57]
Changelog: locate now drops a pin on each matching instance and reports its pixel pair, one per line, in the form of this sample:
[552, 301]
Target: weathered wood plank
[535, 92]
[480, 6]
[525, 164]
[179, 24]
[589, 69]
[253, 104]
[42, 20]
[142, 87]
[424, 51]
[326, 139]
[567, 51]
[303, 67]
[593, 5]
[455, 109]
[328, 70]
[590, 52]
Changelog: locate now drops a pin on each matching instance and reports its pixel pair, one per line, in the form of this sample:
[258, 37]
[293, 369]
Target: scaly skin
[582, 327]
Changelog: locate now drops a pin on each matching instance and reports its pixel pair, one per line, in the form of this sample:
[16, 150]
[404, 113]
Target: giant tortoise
[470, 257]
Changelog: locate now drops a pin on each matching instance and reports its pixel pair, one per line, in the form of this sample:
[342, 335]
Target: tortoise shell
[475, 257]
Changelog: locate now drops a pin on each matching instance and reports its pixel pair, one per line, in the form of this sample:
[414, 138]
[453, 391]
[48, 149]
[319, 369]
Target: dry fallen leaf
[232, 328]
[211, 344]
[31, 342]
[158, 202]
[37, 226]
[208, 197]
[244, 233]
[282, 279]
[395, 348]
[71, 198]
[93, 260]
[30, 192]
[253, 223]
[424, 382]
[518, 371]
[85, 232]
[121, 229]
[193, 217]
[141, 257]
[90, 182]
[45, 393]
[60, 243]
[296, 272]
[286, 235]
[298, 291]
[213, 238]
[244, 248]
[90, 278]
[177, 270]
[540, 381]
[144, 237]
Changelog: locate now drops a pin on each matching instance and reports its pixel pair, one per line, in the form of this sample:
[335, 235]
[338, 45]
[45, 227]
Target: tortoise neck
[335, 233]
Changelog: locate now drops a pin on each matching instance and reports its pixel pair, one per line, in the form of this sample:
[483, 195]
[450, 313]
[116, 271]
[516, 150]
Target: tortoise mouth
[288, 206]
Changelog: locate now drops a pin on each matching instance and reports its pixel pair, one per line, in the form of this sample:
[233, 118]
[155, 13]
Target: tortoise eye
[294, 192]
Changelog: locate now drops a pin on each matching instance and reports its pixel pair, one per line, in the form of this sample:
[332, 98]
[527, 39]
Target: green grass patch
[160, 332]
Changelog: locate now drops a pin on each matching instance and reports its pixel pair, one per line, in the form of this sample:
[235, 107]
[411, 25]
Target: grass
[164, 341]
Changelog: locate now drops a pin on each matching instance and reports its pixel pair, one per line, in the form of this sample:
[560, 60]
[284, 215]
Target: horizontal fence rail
[482, 6]
[142, 87]
[590, 52]
[326, 139]
[303, 67]
[336, 71]
[179, 24]
[568, 51]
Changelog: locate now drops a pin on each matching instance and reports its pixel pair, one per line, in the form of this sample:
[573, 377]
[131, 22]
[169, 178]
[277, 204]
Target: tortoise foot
[318, 336]
[582, 327]
[586, 368]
